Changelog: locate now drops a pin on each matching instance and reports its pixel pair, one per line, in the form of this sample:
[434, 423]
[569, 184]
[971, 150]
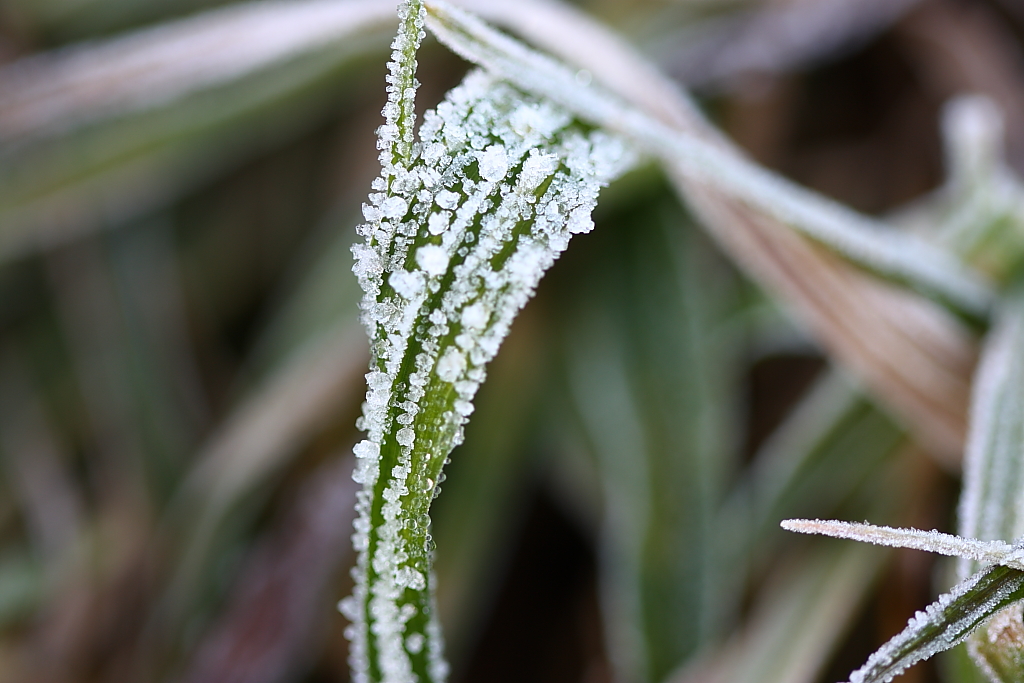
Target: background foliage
[181, 362]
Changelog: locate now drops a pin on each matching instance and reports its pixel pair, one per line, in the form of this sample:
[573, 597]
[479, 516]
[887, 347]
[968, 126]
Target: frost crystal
[459, 230]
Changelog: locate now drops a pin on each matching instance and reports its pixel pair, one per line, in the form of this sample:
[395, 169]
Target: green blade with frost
[461, 226]
[487, 485]
[945, 623]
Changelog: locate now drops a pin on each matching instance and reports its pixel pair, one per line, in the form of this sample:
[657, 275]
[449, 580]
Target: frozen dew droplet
[366, 450]
[414, 643]
[406, 437]
[493, 163]
[371, 213]
[447, 199]
[394, 207]
[433, 259]
[438, 222]
[536, 169]
[451, 365]
[406, 284]
[580, 221]
[474, 317]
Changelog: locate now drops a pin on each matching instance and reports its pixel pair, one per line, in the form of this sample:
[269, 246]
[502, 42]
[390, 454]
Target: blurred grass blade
[894, 255]
[650, 358]
[773, 40]
[992, 502]
[297, 400]
[814, 460]
[289, 574]
[94, 135]
[827, 457]
[981, 207]
[51, 93]
[797, 623]
[912, 355]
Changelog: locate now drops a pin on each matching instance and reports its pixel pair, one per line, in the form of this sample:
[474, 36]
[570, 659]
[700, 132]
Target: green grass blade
[650, 359]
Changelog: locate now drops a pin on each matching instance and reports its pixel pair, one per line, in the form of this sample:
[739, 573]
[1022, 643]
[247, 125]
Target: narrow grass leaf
[952, 618]
[985, 552]
[651, 362]
[991, 505]
[55, 91]
[460, 227]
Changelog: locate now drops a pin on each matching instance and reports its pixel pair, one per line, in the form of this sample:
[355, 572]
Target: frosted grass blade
[909, 352]
[460, 227]
[985, 552]
[899, 256]
[945, 623]
[952, 618]
[992, 505]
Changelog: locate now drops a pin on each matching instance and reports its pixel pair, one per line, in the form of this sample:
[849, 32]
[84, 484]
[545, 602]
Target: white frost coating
[474, 316]
[394, 207]
[985, 552]
[458, 232]
[447, 199]
[950, 619]
[438, 222]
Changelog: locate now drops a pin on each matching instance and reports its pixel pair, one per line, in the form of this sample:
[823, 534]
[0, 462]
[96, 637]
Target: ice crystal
[460, 227]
